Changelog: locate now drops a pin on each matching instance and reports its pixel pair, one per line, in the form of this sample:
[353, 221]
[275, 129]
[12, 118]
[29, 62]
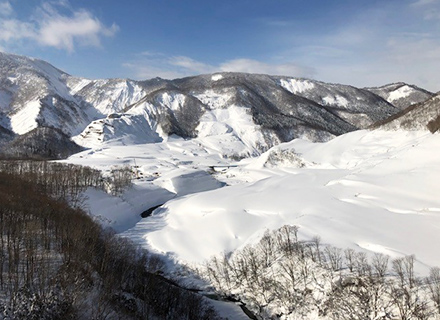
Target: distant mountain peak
[402, 94]
[420, 116]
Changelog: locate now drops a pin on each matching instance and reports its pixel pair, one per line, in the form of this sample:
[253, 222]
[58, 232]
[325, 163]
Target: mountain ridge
[273, 109]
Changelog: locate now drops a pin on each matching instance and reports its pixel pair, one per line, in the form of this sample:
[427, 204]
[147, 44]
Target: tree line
[283, 277]
[57, 263]
[68, 181]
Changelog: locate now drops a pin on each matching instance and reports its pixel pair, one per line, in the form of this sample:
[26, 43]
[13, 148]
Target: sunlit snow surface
[165, 170]
[216, 77]
[400, 93]
[25, 119]
[296, 85]
[371, 191]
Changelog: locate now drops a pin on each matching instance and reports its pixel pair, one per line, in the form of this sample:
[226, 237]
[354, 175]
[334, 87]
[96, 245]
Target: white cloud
[191, 65]
[6, 9]
[151, 54]
[51, 28]
[12, 29]
[62, 32]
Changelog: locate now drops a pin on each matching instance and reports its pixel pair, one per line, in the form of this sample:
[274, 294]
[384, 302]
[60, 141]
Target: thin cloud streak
[254, 66]
[159, 65]
[424, 2]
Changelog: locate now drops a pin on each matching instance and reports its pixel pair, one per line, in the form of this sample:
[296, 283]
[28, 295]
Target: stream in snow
[227, 308]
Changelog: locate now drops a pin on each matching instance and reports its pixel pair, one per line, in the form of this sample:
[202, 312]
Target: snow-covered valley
[373, 191]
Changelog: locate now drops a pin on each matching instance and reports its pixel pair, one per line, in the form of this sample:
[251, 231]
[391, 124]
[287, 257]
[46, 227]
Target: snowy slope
[40, 143]
[33, 93]
[285, 105]
[122, 129]
[367, 190]
[357, 106]
[107, 96]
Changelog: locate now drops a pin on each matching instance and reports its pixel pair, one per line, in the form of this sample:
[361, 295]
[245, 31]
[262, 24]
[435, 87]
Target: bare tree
[350, 258]
[433, 282]
[334, 257]
[380, 265]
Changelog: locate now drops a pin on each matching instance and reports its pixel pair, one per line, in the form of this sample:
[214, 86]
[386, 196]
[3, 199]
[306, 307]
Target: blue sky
[358, 42]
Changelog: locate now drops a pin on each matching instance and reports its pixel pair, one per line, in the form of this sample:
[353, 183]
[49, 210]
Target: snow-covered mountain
[33, 93]
[107, 96]
[402, 95]
[367, 190]
[253, 111]
[421, 116]
[364, 190]
[40, 143]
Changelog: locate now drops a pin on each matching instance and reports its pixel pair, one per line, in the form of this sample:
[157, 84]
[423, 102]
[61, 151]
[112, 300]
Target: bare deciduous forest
[283, 276]
[57, 263]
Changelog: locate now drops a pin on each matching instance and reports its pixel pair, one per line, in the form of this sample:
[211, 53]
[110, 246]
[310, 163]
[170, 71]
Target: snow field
[370, 191]
[373, 191]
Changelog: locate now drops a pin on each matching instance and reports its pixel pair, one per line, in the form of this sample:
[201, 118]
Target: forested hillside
[57, 263]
